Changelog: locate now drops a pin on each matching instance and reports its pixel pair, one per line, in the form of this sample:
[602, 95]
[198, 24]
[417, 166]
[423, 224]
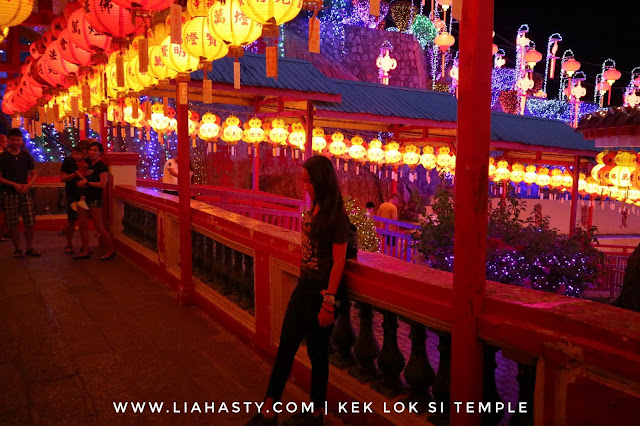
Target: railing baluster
[441, 389]
[418, 373]
[365, 348]
[490, 391]
[343, 337]
[390, 359]
[526, 386]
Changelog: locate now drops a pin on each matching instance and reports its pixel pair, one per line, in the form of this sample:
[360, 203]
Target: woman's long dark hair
[328, 197]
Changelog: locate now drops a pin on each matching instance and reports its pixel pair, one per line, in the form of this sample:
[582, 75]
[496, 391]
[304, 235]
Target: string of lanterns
[101, 52]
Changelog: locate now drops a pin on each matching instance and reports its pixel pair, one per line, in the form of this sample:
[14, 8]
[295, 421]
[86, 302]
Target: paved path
[75, 336]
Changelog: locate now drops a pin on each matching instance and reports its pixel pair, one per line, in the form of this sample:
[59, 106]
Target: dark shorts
[16, 205]
[94, 204]
[72, 215]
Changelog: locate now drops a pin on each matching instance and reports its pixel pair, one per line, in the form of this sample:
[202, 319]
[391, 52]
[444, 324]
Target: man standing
[389, 210]
[17, 176]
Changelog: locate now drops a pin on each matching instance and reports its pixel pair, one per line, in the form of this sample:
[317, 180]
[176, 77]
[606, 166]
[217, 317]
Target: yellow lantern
[278, 133]
[227, 22]
[567, 180]
[502, 171]
[591, 186]
[530, 174]
[199, 7]
[582, 183]
[442, 159]
[14, 12]
[428, 158]
[145, 79]
[158, 33]
[357, 151]
[159, 122]
[209, 129]
[176, 58]
[392, 154]
[297, 137]
[614, 191]
[492, 168]
[157, 66]
[271, 13]
[319, 143]
[626, 164]
[633, 194]
[231, 131]
[411, 156]
[337, 147]
[375, 154]
[131, 81]
[556, 178]
[543, 178]
[517, 173]
[254, 134]
[198, 41]
[4, 32]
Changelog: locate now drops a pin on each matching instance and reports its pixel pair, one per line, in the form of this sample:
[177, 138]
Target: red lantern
[36, 49]
[58, 63]
[144, 5]
[114, 20]
[71, 52]
[70, 7]
[58, 24]
[48, 38]
[7, 105]
[85, 36]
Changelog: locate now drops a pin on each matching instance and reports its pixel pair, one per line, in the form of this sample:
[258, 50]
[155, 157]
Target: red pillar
[574, 194]
[308, 144]
[104, 130]
[474, 124]
[394, 180]
[186, 288]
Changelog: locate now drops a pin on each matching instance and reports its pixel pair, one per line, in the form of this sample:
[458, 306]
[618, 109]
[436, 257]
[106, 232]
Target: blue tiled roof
[293, 74]
[391, 101]
[537, 131]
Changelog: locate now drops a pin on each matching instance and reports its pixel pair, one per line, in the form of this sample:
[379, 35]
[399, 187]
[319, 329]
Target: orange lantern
[570, 66]
[71, 52]
[194, 123]
[85, 36]
[142, 6]
[444, 41]
[626, 163]
[428, 158]
[532, 57]
[319, 143]
[57, 62]
[14, 12]
[492, 168]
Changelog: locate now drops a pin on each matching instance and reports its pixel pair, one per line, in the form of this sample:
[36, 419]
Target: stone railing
[578, 362]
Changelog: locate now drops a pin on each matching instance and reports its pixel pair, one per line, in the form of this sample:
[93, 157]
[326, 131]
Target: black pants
[301, 320]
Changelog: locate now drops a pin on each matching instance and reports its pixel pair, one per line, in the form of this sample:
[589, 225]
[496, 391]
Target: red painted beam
[270, 91]
[373, 118]
[470, 248]
[517, 146]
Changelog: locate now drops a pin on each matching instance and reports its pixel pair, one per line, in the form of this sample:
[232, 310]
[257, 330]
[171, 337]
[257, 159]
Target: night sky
[592, 30]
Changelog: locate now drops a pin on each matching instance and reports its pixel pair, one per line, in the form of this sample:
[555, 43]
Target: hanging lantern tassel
[374, 7]
[120, 71]
[143, 55]
[272, 61]
[134, 108]
[175, 13]
[86, 96]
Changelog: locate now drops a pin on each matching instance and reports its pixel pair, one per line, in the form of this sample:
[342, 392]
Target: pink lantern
[114, 20]
[85, 36]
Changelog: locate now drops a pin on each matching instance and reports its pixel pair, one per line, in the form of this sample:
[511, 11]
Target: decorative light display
[428, 158]
[502, 170]
[424, 30]
[442, 159]
[517, 173]
[567, 179]
[254, 133]
[337, 147]
[278, 133]
[357, 151]
[319, 143]
[402, 13]
[543, 179]
[159, 122]
[157, 66]
[198, 41]
[113, 20]
[297, 136]
[375, 154]
[626, 163]
[530, 174]
[444, 41]
[231, 131]
[550, 65]
[361, 16]
[556, 178]
[385, 63]
[392, 154]
[411, 156]
[209, 129]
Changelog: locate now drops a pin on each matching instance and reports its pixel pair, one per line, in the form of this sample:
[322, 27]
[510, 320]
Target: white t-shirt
[167, 177]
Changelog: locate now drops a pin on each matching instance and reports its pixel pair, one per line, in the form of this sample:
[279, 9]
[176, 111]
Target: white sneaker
[74, 206]
[83, 204]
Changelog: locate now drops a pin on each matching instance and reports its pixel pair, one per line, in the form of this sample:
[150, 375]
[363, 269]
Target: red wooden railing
[395, 238]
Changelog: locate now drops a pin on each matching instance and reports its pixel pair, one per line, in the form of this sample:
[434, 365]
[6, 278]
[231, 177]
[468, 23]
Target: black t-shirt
[70, 187]
[317, 257]
[15, 168]
[95, 170]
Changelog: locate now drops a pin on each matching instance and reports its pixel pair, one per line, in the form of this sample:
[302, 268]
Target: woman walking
[310, 313]
[96, 181]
